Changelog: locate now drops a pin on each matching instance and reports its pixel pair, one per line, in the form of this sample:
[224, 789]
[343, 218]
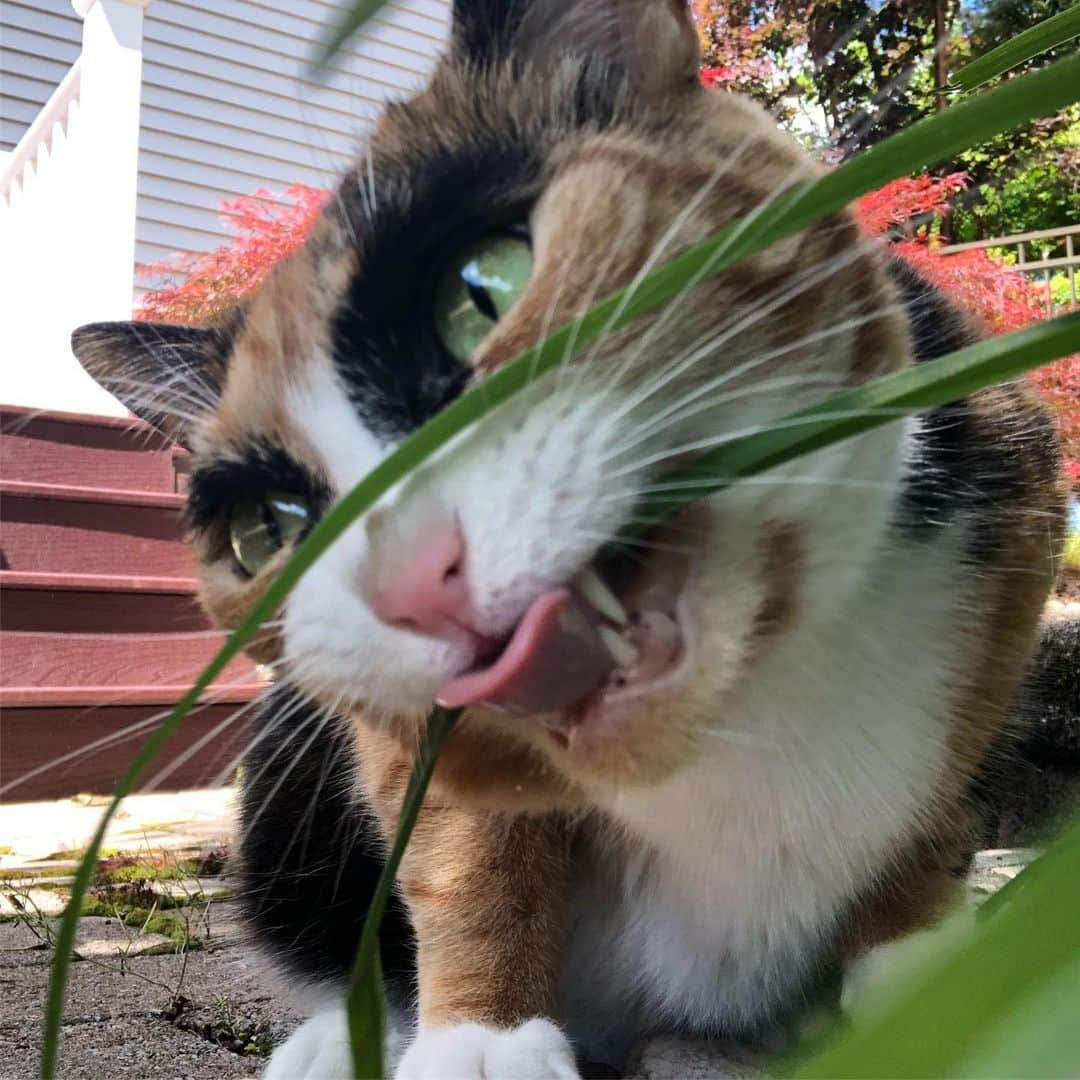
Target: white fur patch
[317, 1050]
[319, 407]
[529, 475]
[536, 1050]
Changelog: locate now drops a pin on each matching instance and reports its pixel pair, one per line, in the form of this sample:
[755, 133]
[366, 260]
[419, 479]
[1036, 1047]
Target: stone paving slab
[36, 835]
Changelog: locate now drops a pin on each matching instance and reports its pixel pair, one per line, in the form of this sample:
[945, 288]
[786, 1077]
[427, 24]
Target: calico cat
[694, 786]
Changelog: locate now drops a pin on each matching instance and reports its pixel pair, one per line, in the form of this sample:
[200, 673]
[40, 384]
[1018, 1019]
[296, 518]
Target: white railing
[1043, 268]
[43, 142]
[67, 215]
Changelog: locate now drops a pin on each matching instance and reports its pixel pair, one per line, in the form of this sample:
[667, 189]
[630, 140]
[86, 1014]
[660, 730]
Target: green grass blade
[990, 992]
[350, 21]
[1037, 39]
[927, 142]
[882, 401]
[365, 1004]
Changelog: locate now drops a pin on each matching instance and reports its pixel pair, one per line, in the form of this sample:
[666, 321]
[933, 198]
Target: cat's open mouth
[610, 632]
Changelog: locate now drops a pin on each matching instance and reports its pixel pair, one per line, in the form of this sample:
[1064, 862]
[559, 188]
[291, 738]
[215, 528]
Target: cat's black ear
[483, 30]
[654, 41]
[167, 375]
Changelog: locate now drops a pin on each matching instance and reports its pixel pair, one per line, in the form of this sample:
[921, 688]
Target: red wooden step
[57, 528]
[71, 730]
[94, 451]
[84, 603]
[160, 666]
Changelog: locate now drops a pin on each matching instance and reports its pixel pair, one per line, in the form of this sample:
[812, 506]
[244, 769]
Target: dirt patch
[222, 1023]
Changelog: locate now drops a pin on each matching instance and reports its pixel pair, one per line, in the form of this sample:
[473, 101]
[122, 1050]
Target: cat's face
[560, 151]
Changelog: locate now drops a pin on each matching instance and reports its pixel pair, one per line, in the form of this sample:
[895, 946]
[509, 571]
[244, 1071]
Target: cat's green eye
[478, 288]
[260, 528]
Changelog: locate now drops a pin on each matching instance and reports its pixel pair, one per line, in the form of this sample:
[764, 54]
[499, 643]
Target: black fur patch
[479, 173]
[251, 471]
[963, 464]
[484, 29]
[311, 852]
[397, 371]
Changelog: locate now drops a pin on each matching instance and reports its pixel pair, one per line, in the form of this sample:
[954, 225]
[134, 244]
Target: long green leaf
[365, 1003]
[1037, 39]
[931, 140]
[354, 16]
[854, 411]
[984, 1008]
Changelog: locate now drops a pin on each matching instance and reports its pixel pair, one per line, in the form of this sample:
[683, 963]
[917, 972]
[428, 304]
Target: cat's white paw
[536, 1050]
[317, 1050]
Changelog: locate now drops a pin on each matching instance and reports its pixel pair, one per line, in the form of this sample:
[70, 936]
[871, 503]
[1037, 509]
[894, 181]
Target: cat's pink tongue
[554, 659]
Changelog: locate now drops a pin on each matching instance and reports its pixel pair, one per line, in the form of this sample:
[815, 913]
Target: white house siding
[229, 105]
[168, 114]
[39, 40]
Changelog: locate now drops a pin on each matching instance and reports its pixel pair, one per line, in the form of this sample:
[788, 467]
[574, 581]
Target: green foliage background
[868, 66]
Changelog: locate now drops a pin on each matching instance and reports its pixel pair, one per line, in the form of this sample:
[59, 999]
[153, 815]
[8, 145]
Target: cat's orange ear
[654, 41]
[168, 375]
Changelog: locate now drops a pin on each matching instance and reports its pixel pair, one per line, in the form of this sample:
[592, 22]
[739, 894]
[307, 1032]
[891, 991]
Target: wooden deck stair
[99, 624]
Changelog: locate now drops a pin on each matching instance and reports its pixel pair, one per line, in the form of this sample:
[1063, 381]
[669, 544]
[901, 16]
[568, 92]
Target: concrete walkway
[138, 1008]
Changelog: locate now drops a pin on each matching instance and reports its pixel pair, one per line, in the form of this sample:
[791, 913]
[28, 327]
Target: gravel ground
[138, 1009]
[123, 1019]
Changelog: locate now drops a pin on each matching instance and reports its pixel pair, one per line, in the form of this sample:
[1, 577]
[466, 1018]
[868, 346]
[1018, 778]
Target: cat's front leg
[485, 891]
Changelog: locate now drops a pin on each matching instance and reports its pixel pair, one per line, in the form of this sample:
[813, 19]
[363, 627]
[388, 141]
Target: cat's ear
[655, 41]
[484, 30]
[167, 375]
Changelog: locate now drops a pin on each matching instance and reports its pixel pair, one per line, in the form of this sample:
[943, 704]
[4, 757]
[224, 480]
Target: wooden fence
[1042, 268]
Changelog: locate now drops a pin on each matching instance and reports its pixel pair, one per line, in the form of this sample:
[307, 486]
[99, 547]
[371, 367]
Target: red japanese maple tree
[198, 288]
[1000, 298]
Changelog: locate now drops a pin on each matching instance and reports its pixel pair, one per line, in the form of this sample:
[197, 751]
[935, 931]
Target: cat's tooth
[622, 652]
[593, 588]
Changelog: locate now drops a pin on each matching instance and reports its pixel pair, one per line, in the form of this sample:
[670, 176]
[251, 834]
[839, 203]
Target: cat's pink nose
[427, 590]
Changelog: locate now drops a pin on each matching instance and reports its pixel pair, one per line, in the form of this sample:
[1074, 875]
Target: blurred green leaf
[923, 386]
[352, 18]
[365, 1001]
[1003, 1001]
[1040, 38]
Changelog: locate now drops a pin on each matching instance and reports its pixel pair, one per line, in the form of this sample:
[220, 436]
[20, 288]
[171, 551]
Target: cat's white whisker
[782, 295]
[673, 306]
[723, 166]
[680, 410]
[208, 737]
[317, 722]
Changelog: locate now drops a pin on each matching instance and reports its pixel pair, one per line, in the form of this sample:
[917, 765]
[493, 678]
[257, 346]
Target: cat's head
[562, 148]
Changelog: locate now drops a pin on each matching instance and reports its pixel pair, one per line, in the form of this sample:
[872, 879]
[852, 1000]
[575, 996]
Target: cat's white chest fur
[744, 864]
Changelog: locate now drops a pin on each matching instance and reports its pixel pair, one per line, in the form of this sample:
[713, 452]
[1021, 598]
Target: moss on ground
[1072, 551]
[33, 875]
[151, 920]
[128, 869]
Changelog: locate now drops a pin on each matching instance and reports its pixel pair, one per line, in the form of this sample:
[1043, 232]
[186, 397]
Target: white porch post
[67, 215]
[109, 167]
